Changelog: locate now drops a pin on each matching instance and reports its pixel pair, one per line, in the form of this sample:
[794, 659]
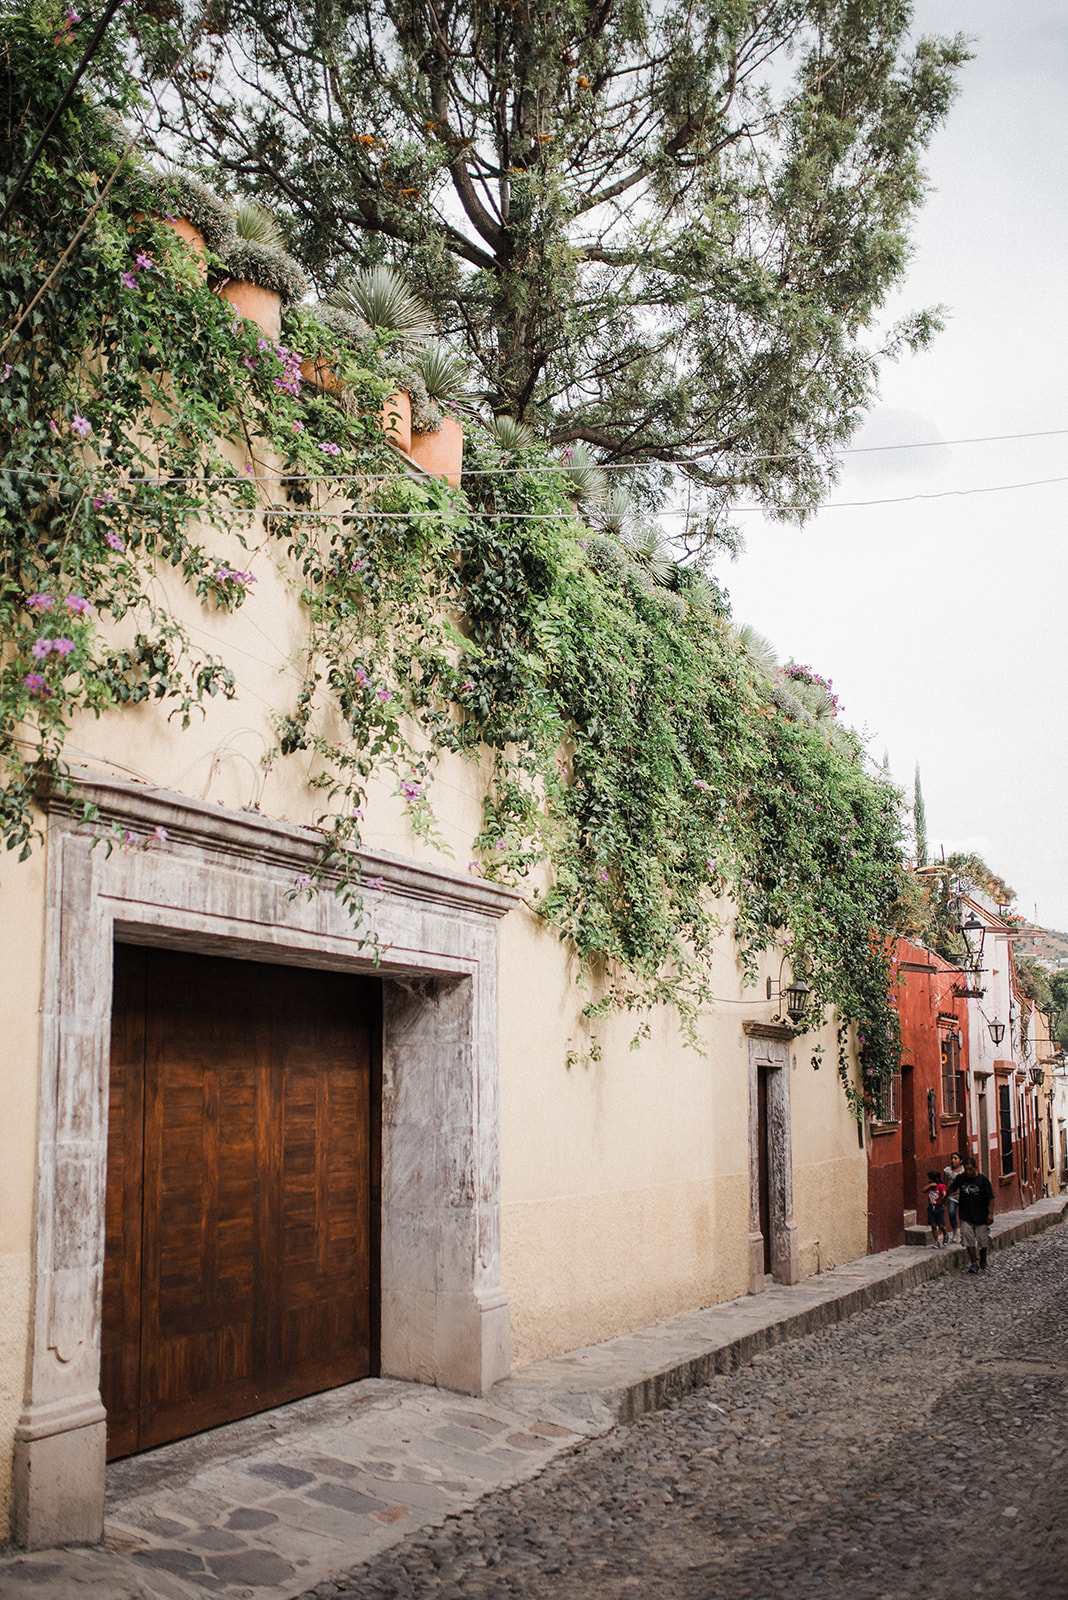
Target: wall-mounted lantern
[796, 995]
[997, 1031]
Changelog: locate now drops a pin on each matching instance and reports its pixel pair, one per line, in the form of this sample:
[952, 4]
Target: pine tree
[919, 820]
[661, 229]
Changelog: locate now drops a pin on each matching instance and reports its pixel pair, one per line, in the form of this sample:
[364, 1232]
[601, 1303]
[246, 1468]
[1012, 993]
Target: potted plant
[375, 303]
[262, 277]
[437, 432]
[191, 210]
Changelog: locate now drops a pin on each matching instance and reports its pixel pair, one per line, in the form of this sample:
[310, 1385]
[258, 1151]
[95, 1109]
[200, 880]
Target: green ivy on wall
[643, 784]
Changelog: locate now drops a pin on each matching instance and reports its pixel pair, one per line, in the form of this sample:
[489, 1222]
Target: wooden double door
[240, 1269]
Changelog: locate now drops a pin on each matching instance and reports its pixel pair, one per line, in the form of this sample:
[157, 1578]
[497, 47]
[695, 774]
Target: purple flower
[145, 262]
[263, 344]
[699, 783]
[303, 881]
[81, 426]
[114, 541]
[160, 834]
[53, 425]
[35, 683]
[40, 602]
[410, 791]
[357, 812]
[41, 648]
[298, 427]
[129, 280]
[602, 873]
[130, 837]
[361, 676]
[329, 449]
[375, 883]
[8, 370]
[62, 647]
[250, 364]
[72, 17]
[384, 695]
[74, 602]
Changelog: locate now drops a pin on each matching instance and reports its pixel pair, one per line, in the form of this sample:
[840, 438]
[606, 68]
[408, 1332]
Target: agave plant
[255, 225]
[759, 651]
[615, 512]
[584, 480]
[646, 546]
[385, 302]
[444, 374]
[512, 435]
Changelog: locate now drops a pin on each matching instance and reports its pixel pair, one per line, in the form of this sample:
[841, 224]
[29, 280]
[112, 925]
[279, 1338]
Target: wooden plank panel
[256, 1265]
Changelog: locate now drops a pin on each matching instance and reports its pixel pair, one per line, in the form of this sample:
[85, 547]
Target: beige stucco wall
[625, 1180]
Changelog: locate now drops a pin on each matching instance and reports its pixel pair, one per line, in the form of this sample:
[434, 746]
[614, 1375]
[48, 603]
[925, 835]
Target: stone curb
[602, 1385]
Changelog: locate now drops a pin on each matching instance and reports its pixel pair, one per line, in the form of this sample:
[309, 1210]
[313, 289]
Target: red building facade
[921, 1115]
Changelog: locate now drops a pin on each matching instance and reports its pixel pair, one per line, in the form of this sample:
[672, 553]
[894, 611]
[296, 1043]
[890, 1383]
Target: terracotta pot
[396, 408]
[441, 453]
[397, 420]
[189, 235]
[262, 306]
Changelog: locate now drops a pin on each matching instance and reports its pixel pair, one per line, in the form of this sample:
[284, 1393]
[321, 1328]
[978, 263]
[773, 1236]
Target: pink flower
[329, 449]
[74, 602]
[375, 883]
[384, 695]
[361, 676]
[81, 426]
[602, 873]
[40, 602]
[303, 881]
[699, 783]
[160, 834]
[36, 684]
[63, 647]
[298, 427]
[410, 791]
[114, 541]
[129, 280]
[41, 648]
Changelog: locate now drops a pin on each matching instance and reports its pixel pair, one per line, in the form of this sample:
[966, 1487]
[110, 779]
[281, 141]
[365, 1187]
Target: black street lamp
[796, 995]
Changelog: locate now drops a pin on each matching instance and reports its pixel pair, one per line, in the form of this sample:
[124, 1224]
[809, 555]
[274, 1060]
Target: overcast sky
[942, 621]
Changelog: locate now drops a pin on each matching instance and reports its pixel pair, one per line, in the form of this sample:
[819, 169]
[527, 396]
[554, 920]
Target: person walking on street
[975, 1198]
[953, 1170]
[936, 1211]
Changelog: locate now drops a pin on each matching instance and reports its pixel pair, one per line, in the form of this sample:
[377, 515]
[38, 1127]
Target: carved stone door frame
[191, 876]
[769, 1053]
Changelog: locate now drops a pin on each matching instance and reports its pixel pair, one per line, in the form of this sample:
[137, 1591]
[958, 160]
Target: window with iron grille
[1008, 1160]
[952, 1099]
[887, 1099]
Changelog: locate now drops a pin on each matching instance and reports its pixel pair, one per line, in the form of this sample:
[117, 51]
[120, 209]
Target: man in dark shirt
[975, 1196]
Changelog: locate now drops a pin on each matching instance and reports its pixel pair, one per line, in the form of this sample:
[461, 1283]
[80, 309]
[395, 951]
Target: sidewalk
[270, 1507]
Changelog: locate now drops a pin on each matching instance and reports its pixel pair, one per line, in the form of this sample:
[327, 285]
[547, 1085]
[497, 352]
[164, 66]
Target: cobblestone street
[917, 1450]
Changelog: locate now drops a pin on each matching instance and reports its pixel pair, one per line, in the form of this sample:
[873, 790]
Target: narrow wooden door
[239, 1268]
